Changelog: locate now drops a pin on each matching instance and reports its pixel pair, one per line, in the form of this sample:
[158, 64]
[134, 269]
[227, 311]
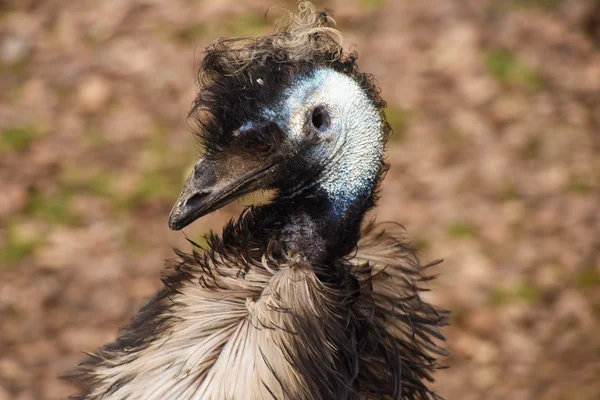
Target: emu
[292, 301]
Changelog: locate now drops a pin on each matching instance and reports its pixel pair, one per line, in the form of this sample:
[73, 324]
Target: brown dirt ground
[495, 167]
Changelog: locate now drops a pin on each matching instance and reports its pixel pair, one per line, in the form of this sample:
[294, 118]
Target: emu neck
[324, 222]
[325, 211]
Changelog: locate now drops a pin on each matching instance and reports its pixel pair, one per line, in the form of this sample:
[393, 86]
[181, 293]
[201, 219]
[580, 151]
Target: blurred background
[495, 168]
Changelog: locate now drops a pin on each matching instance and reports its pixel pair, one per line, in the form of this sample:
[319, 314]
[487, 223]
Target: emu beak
[197, 196]
[209, 187]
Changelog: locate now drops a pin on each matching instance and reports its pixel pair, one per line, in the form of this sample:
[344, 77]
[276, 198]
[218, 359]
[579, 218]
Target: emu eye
[259, 138]
[261, 147]
[320, 119]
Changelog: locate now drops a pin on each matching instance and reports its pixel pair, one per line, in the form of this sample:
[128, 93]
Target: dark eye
[259, 138]
[261, 147]
[320, 119]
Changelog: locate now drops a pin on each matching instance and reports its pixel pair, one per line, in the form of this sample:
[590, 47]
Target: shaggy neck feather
[324, 221]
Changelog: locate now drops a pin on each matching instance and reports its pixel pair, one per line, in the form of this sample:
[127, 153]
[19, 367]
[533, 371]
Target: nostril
[196, 199]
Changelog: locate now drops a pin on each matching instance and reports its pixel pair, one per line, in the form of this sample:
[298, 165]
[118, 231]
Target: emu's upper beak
[208, 188]
[195, 198]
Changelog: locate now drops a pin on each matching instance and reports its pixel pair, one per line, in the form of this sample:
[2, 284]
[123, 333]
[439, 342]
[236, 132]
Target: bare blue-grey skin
[351, 150]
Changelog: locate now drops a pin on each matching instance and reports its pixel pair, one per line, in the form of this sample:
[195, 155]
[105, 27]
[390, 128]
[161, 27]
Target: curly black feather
[240, 76]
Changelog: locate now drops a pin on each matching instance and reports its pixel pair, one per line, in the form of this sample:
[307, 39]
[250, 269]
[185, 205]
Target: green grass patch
[541, 4]
[461, 229]
[17, 138]
[458, 316]
[398, 120]
[54, 208]
[503, 7]
[248, 25]
[158, 148]
[524, 292]
[510, 192]
[372, 4]
[164, 175]
[102, 184]
[454, 139]
[95, 138]
[421, 244]
[581, 187]
[508, 70]
[96, 182]
[17, 247]
[497, 298]
[13, 94]
[588, 279]
[528, 293]
[153, 185]
[14, 69]
[192, 34]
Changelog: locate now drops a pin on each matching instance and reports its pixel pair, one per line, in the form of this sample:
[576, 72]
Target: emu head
[289, 112]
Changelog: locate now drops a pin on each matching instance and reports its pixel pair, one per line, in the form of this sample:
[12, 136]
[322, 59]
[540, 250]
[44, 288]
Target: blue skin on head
[349, 152]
